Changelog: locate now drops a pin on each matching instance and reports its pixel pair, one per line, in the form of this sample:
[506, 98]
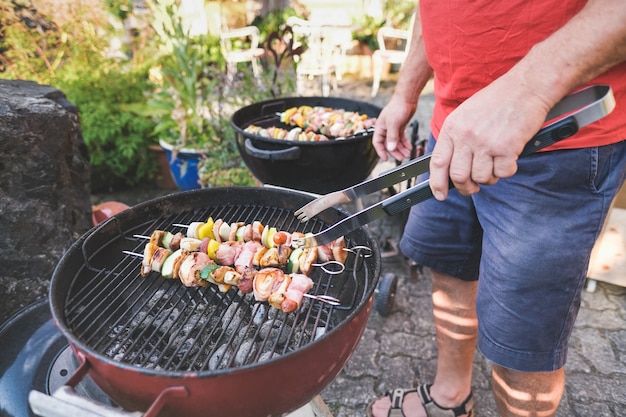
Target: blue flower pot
[183, 166]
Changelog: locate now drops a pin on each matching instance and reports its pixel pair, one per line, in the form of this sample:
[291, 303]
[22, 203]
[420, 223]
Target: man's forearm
[588, 45]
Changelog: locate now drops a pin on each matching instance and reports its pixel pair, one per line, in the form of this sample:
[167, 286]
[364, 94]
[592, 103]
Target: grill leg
[320, 409]
[315, 408]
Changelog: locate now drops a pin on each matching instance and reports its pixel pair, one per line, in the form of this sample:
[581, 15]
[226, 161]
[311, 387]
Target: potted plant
[193, 101]
[188, 101]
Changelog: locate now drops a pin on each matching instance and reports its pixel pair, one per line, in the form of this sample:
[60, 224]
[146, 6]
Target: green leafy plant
[398, 14]
[32, 46]
[274, 20]
[121, 9]
[213, 174]
[117, 139]
[194, 100]
[179, 93]
[189, 85]
[189, 101]
[67, 51]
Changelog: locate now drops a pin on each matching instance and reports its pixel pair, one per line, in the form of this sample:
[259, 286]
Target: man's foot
[399, 403]
[416, 403]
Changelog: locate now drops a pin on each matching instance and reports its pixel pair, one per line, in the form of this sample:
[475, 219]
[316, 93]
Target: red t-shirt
[471, 43]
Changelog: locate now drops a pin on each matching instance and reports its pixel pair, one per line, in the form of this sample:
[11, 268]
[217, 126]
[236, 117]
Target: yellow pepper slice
[270, 237]
[286, 116]
[206, 230]
[212, 248]
[303, 110]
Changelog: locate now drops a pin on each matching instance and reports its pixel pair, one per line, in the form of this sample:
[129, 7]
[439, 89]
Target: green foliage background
[63, 47]
[122, 110]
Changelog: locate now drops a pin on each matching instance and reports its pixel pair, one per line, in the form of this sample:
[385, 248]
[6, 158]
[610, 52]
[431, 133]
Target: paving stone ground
[399, 350]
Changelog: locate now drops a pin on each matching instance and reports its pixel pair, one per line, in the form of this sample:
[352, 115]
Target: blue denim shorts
[527, 240]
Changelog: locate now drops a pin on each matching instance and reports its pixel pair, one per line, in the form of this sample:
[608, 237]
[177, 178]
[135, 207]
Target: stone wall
[44, 188]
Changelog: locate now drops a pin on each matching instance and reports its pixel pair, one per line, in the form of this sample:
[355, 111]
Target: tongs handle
[588, 105]
[570, 114]
[422, 191]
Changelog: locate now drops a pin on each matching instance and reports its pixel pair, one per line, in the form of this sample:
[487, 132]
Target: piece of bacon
[232, 235]
[228, 252]
[246, 256]
[159, 256]
[307, 259]
[175, 243]
[146, 263]
[216, 229]
[157, 237]
[266, 281]
[256, 259]
[177, 263]
[338, 247]
[192, 265]
[269, 258]
[283, 254]
[279, 292]
[246, 280]
[257, 230]
[300, 285]
[324, 253]
[247, 233]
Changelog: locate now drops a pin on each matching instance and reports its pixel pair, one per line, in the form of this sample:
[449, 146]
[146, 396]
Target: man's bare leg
[528, 394]
[454, 310]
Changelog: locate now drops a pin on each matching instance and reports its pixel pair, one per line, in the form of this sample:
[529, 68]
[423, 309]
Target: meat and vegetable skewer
[244, 245]
[295, 134]
[251, 257]
[327, 120]
[195, 269]
[316, 123]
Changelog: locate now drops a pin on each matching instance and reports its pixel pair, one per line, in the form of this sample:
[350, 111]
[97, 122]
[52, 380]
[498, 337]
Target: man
[509, 248]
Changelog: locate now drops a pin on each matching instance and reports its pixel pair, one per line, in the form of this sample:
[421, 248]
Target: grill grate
[160, 324]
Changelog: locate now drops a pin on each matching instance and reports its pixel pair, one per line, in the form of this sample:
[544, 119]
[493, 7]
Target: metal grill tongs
[565, 119]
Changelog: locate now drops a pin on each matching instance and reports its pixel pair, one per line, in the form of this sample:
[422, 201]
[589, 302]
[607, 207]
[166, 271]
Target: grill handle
[586, 106]
[288, 154]
[273, 107]
[66, 402]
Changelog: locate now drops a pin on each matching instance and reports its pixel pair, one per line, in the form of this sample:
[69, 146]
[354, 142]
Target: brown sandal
[432, 408]
[435, 410]
[397, 399]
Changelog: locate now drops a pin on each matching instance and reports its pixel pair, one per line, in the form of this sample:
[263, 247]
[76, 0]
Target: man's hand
[389, 137]
[481, 140]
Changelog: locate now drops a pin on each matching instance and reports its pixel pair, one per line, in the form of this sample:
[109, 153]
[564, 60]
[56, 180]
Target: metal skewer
[336, 269]
[324, 266]
[322, 298]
